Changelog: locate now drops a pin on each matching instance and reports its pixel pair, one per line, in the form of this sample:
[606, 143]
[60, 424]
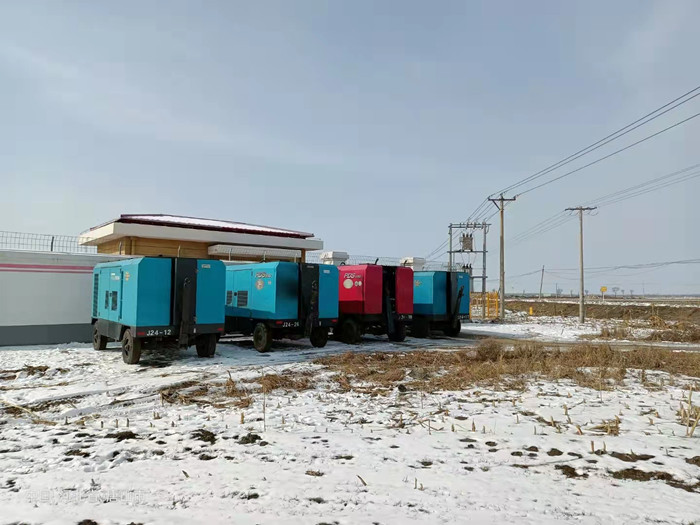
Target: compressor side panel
[373, 290]
[404, 290]
[285, 283]
[151, 279]
[352, 287]
[440, 284]
[424, 293]
[328, 292]
[211, 292]
[463, 279]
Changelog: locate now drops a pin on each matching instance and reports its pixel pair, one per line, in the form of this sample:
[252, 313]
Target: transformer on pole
[466, 245]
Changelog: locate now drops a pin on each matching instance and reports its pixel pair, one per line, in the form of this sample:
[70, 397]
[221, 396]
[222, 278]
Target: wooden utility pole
[500, 203]
[483, 272]
[541, 281]
[581, 298]
[450, 251]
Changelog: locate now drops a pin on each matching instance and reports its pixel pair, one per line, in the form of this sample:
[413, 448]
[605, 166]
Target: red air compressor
[374, 299]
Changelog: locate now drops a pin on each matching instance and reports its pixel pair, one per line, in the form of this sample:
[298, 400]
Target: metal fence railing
[40, 242]
[315, 257]
[483, 306]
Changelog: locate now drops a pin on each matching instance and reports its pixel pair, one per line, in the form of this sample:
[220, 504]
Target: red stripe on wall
[18, 270]
[47, 266]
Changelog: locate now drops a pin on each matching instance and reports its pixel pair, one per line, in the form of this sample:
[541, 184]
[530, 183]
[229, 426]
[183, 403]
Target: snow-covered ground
[678, 301]
[552, 329]
[541, 328]
[325, 456]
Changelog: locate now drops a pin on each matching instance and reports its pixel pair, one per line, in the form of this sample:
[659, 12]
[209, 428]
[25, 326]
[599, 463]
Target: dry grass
[594, 366]
[680, 332]
[243, 397]
[285, 381]
[185, 393]
[615, 332]
[490, 364]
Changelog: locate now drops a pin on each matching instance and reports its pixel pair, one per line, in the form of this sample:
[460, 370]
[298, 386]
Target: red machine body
[374, 298]
[404, 290]
[360, 289]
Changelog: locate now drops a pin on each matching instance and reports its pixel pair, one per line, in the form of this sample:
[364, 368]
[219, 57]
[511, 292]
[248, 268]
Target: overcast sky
[371, 124]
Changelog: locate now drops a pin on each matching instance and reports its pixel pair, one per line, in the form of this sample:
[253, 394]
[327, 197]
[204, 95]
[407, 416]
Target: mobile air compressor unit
[279, 300]
[374, 299]
[148, 301]
[440, 301]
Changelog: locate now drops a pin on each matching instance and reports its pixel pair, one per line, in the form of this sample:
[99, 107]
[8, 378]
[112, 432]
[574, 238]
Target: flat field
[430, 431]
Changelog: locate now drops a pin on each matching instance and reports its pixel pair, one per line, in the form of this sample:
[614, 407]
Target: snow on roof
[208, 224]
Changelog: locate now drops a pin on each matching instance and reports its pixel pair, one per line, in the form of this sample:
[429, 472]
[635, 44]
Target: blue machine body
[433, 292]
[271, 291]
[140, 292]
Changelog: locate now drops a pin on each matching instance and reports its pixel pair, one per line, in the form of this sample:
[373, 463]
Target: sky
[371, 124]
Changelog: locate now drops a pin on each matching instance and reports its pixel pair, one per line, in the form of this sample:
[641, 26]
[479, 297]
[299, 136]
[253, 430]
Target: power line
[642, 184]
[687, 177]
[557, 272]
[609, 138]
[592, 147]
[654, 184]
[609, 155]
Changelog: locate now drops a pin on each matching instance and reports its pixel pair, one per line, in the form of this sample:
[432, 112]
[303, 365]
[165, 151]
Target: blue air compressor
[440, 302]
[278, 300]
[147, 301]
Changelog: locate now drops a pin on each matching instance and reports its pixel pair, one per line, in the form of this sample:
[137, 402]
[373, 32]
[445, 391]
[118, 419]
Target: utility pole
[581, 299]
[500, 203]
[449, 258]
[483, 272]
[541, 281]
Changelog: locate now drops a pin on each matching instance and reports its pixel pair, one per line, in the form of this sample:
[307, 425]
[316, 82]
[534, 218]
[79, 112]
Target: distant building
[170, 235]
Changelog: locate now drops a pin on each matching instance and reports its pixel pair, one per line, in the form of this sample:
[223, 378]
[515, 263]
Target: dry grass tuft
[285, 381]
[615, 332]
[186, 393]
[680, 332]
[490, 350]
[242, 395]
[594, 366]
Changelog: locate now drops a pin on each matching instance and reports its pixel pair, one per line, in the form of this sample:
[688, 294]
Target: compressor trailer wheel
[206, 345]
[399, 333]
[99, 342]
[262, 338]
[131, 348]
[319, 337]
[454, 328]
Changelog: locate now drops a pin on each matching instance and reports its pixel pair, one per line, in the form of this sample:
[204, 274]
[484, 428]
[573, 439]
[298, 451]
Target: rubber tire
[319, 337]
[131, 348]
[420, 328]
[399, 334]
[350, 332]
[454, 329]
[262, 338]
[206, 345]
[99, 342]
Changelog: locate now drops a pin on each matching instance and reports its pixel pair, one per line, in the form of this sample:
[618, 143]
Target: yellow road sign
[603, 289]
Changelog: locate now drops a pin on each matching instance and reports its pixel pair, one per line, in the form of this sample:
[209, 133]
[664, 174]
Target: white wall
[46, 288]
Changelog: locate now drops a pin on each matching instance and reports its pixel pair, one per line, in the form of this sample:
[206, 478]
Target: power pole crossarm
[581, 293]
[500, 203]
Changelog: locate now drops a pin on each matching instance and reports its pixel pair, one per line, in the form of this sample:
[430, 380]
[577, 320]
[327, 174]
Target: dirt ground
[689, 314]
